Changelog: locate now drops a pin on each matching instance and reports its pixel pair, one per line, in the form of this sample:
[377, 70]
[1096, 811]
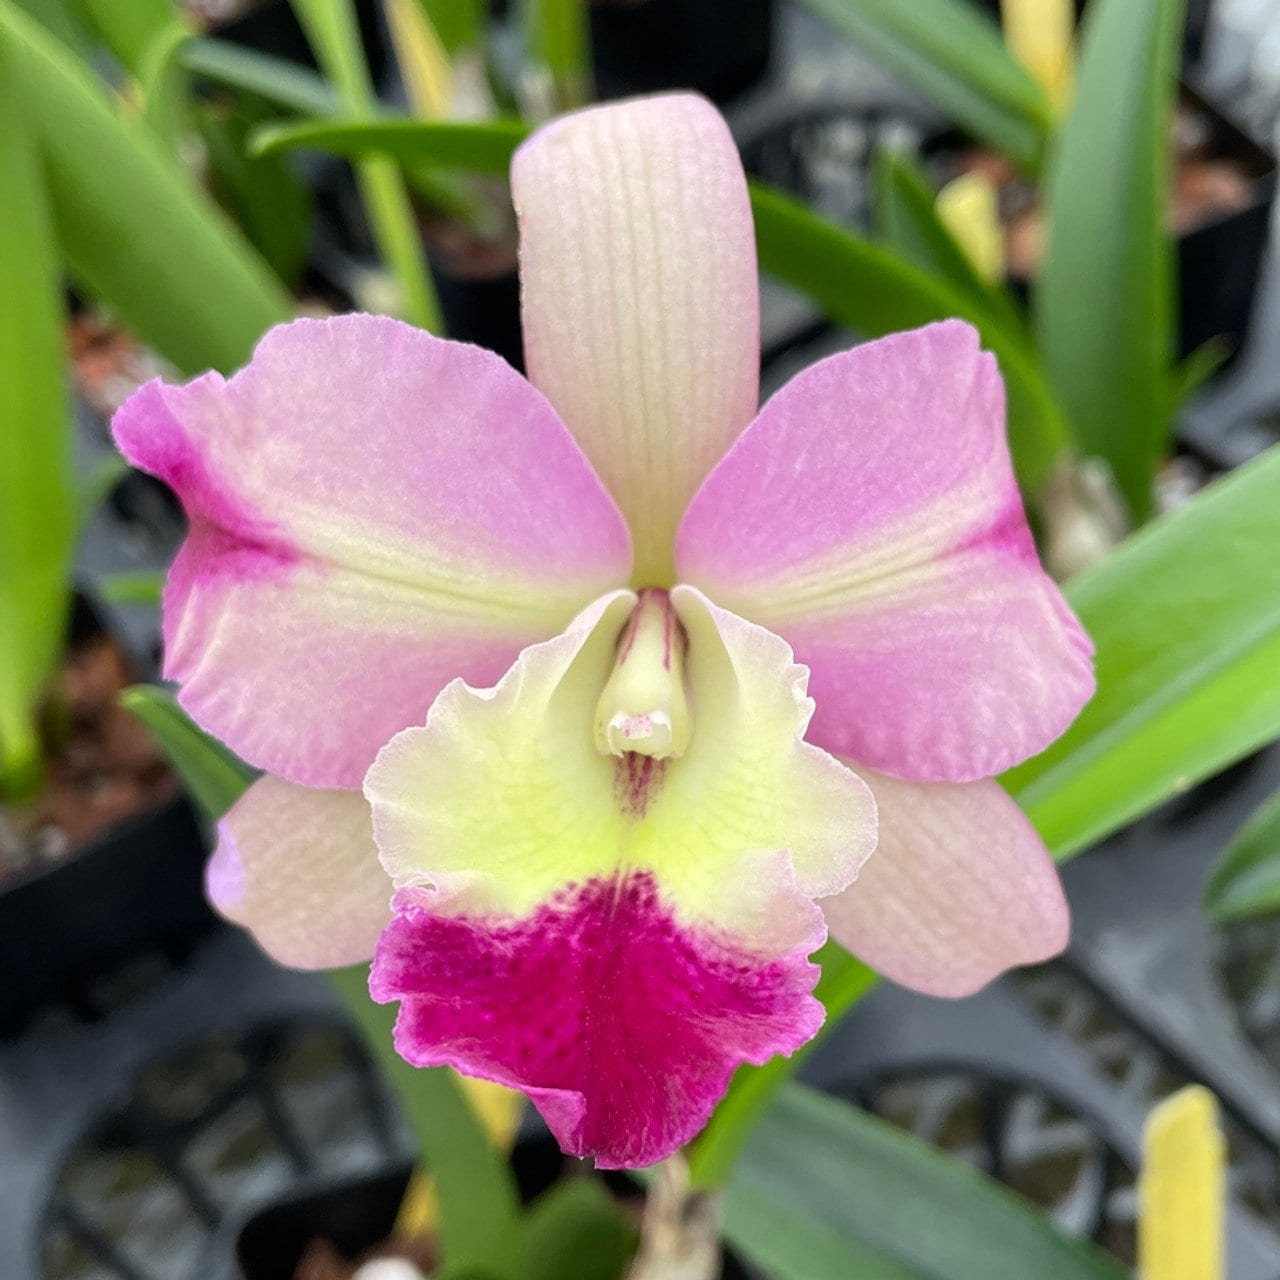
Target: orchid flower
[630, 667]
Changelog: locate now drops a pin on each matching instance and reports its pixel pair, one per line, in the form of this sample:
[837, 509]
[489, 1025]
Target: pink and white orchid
[608, 846]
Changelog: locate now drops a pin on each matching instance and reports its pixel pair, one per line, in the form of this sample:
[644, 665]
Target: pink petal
[613, 935]
[620, 1023]
[373, 512]
[299, 870]
[959, 889]
[870, 517]
[641, 309]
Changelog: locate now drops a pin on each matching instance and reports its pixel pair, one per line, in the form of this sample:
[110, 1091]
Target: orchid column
[672, 655]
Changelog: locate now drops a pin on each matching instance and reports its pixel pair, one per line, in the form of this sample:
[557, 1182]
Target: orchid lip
[644, 706]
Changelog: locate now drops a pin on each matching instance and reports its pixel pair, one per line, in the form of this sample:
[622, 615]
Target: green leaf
[37, 500]
[576, 1231]
[65, 19]
[132, 229]
[166, 87]
[1193, 372]
[215, 777]
[130, 27]
[458, 23]
[479, 1206]
[483, 148]
[96, 487]
[870, 289]
[907, 221]
[1186, 618]
[559, 43]
[421, 148]
[283, 83]
[952, 54]
[826, 1192]
[1247, 880]
[1105, 301]
[133, 588]
[270, 202]
[335, 38]
[844, 981]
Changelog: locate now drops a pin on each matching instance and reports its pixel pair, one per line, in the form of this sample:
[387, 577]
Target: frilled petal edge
[614, 936]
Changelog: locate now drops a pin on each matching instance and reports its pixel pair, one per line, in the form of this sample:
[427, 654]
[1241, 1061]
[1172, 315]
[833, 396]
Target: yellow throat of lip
[644, 707]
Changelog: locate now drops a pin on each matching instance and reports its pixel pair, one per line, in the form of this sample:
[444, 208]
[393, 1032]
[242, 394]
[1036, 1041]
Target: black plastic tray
[64, 926]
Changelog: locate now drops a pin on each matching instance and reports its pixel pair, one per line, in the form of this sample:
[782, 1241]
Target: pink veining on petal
[637, 780]
[622, 1025]
[640, 298]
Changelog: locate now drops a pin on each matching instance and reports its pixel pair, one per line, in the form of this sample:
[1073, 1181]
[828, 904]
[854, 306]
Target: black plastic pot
[354, 1216]
[1219, 263]
[718, 47]
[139, 887]
[481, 308]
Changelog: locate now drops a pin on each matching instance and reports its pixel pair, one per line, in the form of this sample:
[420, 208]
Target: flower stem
[331, 28]
[680, 1230]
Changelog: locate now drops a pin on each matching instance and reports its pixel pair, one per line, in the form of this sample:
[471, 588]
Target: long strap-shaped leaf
[953, 55]
[1246, 882]
[826, 1192]
[1105, 298]
[213, 776]
[483, 148]
[907, 222]
[131, 227]
[37, 504]
[1186, 618]
[130, 27]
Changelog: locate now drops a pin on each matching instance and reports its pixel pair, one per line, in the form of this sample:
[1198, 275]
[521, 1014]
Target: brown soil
[101, 763]
[464, 254]
[323, 1262]
[110, 364]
